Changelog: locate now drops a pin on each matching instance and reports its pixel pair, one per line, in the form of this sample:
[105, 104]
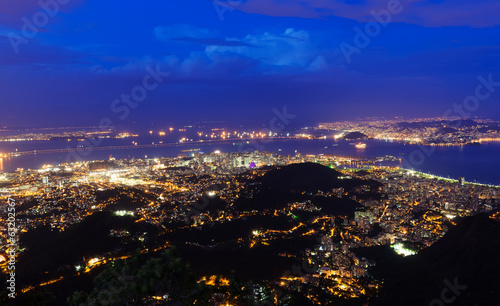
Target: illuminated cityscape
[174, 196]
[260, 152]
[428, 131]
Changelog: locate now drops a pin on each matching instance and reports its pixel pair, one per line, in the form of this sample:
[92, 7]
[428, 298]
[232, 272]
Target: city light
[181, 181]
[400, 249]
[122, 213]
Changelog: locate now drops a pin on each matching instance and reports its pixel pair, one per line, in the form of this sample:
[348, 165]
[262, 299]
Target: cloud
[35, 55]
[192, 34]
[292, 49]
[166, 33]
[288, 51]
[434, 13]
[14, 11]
[212, 41]
[319, 63]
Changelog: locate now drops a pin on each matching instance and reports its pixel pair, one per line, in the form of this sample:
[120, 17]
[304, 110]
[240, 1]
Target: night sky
[238, 64]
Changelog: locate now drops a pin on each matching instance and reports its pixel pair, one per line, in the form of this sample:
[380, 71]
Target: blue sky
[238, 64]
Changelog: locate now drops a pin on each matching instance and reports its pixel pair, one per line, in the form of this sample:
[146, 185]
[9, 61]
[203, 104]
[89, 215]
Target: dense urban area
[262, 206]
[428, 131]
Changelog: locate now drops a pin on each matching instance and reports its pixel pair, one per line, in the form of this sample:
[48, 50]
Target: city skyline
[250, 152]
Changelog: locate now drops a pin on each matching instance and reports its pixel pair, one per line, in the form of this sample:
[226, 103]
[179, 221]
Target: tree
[158, 281]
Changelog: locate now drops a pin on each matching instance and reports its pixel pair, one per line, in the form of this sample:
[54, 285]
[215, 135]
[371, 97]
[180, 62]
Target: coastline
[450, 161]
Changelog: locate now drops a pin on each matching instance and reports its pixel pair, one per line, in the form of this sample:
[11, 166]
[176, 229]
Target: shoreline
[316, 147]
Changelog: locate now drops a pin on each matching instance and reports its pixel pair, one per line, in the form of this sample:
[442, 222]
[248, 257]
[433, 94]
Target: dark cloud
[484, 13]
[213, 41]
[12, 12]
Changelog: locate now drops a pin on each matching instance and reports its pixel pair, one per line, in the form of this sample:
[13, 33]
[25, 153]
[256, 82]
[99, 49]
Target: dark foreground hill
[307, 177]
[259, 237]
[301, 183]
[462, 268]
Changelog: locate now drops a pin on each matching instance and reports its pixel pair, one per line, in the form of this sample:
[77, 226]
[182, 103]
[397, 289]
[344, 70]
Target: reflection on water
[474, 163]
[1, 164]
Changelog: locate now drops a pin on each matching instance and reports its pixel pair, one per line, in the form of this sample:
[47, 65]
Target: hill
[307, 177]
[355, 136]
[467, 255]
